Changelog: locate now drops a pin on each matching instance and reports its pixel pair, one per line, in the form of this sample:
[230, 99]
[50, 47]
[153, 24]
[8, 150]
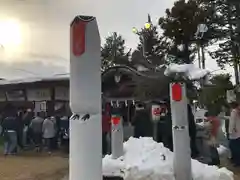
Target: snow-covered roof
[57, 77]
[189, 70]
[192, 72]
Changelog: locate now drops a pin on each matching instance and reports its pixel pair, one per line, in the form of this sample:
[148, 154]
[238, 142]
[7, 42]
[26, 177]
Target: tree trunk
[233, 46]
[203, 57]
[186, 53]
[199, 56]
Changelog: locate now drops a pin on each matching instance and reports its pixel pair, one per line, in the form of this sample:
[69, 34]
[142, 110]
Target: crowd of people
[22, 130]
[143, 126]
[204, 138]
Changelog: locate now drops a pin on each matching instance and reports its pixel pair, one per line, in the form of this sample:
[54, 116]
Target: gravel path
[32, 166]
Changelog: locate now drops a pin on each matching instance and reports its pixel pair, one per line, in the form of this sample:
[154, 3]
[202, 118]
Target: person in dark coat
[27, 118]
[142, 123]
[20, 129]
[192, 132]
[10, 128]
[168, 139]
[64, 133]
[106, 129]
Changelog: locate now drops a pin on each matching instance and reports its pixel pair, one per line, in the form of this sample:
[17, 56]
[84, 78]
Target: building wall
[44, 96]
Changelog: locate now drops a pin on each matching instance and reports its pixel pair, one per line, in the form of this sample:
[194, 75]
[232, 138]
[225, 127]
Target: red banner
[157, 111]
[78, 38]
[116, 120]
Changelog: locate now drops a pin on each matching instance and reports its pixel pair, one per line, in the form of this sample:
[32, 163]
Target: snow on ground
[192, 72]
[146, 159]
[222, 150]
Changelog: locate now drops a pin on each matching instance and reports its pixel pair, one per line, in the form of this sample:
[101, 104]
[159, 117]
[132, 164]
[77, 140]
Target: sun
[10, 34]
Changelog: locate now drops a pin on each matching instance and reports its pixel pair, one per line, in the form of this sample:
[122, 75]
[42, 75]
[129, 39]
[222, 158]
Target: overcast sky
[45, 26]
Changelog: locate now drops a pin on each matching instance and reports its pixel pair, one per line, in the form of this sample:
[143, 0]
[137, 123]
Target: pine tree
[180, 25]
[215, 96]
[154, 46]
[227, 52]
[113, 52]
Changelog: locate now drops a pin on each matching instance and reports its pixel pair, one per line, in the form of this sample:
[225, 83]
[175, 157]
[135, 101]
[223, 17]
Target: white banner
[40, 106]
[43, 94]
[62, 93]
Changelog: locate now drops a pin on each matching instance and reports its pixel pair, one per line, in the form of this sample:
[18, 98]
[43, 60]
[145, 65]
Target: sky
[43, 25]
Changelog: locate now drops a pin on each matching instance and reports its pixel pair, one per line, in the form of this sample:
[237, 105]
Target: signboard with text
[15, 95]
[43, 94]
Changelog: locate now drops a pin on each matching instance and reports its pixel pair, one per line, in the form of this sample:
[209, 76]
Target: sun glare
[10, 34]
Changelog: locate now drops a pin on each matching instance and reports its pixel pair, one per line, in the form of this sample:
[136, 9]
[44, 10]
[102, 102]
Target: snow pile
[145, 159]
[189, 70]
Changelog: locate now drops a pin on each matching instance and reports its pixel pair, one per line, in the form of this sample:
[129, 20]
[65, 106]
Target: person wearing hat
[141, 122]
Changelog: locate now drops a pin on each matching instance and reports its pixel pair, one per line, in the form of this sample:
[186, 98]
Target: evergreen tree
[113, 52]
[152, 48]
[214, 96]
[180, 25]
[227, 52]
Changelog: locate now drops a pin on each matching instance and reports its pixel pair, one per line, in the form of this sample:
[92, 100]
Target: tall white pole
[117, 137]
[85, 100]
[181, 139]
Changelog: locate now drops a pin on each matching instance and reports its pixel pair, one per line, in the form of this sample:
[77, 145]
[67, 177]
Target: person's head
[234, 105]
[207, 114]
[52, 118]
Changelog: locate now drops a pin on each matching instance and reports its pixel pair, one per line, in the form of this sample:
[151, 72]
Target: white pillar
[181, 138]
[156, 115]
[117, 137]
[85, 98]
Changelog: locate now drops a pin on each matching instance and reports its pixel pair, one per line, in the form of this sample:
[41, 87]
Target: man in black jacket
[192, 132]
[167, 140]
[142, 123]
[10, 129]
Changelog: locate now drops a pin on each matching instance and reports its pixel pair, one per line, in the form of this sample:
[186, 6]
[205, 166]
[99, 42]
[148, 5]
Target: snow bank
[189, 70]
[222, 150]
[144, 159]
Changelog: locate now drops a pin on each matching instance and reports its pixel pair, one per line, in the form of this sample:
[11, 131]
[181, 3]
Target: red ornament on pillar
[116, 120]
[78, 38]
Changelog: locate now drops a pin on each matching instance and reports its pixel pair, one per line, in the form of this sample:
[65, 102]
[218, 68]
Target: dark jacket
[64, 123]
[191, 123]
[27, 118]
[167, 131]
[142, 124]
[192, 132]
[10, 123]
